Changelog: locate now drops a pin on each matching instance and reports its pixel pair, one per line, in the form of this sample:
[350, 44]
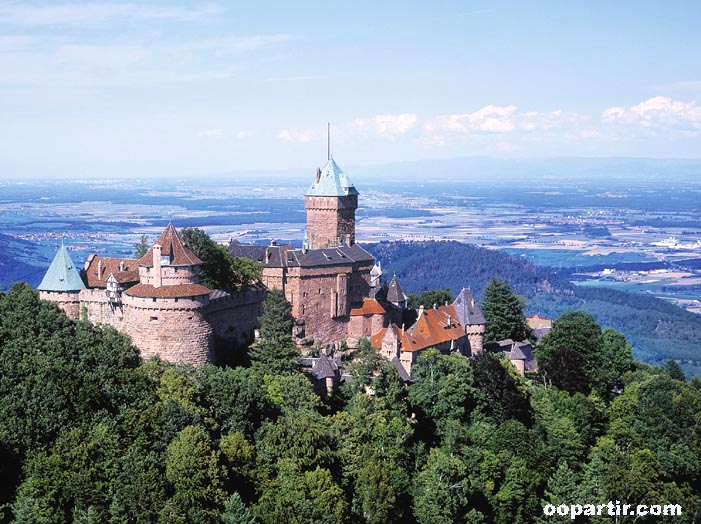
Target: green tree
[275, 351]
[141, 247]
[192, 468]
[503, 310]
[443, 388]
[617, 356]
[579, 332]
[219, 269]
[300, 497]
[374, 494]
[674, 370]
[501, 393]
[441, 489]
[236, 512]
[428, 298]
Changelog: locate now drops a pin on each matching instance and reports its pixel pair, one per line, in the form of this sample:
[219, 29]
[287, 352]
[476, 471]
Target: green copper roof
[332, 182]
[62, 274]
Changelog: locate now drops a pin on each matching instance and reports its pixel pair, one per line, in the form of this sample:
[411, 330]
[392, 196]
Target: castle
[332, 284]
[157, 300]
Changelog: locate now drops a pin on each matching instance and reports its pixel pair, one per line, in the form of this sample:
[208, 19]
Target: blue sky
[185, 88]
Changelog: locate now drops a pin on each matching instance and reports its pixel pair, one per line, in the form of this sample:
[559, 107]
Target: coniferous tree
[236, 512]
[504, 313]
[674, 370]
[275, 352]
[141, 247]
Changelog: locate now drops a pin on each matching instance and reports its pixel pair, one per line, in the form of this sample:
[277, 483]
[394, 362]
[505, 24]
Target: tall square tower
[330, 203]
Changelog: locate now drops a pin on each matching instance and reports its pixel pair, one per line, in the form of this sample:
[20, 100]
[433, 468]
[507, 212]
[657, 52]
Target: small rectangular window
[154, 319]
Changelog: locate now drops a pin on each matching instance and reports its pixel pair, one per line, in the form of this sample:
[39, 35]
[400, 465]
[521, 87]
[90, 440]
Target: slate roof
[62, 274]
[287, 256]
[370, 307]
[182, 290]
[541, 332]
[517, 351]
[468, 309]
[332, 182]
[110, 266]
[324, 367]
[402, 372]
[433, 327]
[171, 245]
[395, 293]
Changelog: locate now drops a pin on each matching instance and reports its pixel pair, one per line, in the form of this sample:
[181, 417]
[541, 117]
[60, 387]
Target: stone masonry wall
[234, 318]
[312, 294]
[330, 220]
[475, 335]
[178, 331]
[99, 310]
[69, 302]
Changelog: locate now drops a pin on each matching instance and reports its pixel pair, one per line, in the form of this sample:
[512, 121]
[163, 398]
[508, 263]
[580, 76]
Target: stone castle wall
[234, 318]
[364, 326]
[170, 275]
[177, 329]
[323, 296]
[330, 220]
[475, 336]
[98, 310]
[69, 302]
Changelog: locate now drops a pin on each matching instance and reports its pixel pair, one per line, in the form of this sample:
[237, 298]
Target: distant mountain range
[657, 329]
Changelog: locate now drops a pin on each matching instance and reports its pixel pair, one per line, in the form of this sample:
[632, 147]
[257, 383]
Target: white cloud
[388, 126]
[495, 120]
[657, 113]
[243, 135]
[94, 13]
[295, 135]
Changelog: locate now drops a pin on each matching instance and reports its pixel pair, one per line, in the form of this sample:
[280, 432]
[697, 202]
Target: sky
[109, 89]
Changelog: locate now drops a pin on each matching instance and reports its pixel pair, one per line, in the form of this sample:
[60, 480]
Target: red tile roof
[125, 270]
[370, 307]
[172, 246]
[433, 327]
[182, 290]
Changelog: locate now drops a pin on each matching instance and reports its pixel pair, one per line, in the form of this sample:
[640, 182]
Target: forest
[90, 433]
[658, 330]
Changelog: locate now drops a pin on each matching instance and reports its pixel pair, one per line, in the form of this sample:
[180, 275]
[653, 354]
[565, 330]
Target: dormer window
[165, 260]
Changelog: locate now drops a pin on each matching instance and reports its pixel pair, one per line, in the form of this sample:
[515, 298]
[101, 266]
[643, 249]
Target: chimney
[157, 279]
[318, 174]
[435, 306]
[121, 265]
[473, 302]
[99, 269]
[421, 311]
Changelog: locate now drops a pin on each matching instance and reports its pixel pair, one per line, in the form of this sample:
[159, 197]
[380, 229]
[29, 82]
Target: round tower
[166, 311]
[62, 284]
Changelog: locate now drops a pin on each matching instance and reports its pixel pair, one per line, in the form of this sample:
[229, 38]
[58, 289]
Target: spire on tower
[328, 140]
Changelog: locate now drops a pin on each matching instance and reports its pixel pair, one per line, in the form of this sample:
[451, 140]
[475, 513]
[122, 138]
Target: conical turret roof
[172, 246]
[332, 182]
[395, 293]
[62, 274]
